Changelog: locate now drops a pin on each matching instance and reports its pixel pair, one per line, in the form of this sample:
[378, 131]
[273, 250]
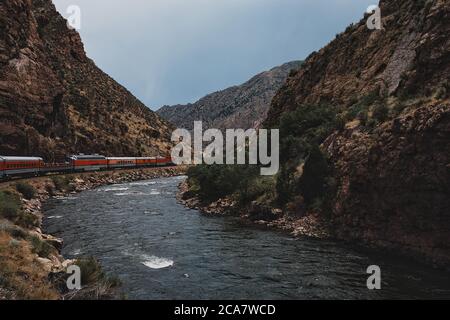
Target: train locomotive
[35, 166]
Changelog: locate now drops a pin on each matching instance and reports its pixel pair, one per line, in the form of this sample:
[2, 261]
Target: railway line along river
[162, 250]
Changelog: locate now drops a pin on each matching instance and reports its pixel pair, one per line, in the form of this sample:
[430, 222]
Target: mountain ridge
[240, 106]
[55, 101]
[390, 159]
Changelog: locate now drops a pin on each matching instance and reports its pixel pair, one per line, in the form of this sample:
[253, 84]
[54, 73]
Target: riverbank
[31, 266]
[162, 250]
[310, 225]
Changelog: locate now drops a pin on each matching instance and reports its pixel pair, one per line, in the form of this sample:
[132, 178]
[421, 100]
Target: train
[35, 166]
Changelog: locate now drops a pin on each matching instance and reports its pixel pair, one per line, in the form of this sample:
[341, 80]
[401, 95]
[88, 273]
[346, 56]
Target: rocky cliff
[55, 101]
[392, 174]
[243, 106]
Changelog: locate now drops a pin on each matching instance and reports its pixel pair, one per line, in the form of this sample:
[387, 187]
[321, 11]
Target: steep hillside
[391, 160]
[55, 101]
[364, 141]
[243, 106]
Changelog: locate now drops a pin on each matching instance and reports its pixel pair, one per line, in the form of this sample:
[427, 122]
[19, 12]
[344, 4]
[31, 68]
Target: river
[162, 250]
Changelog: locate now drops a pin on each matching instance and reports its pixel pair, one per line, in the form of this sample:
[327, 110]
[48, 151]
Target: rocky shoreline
[311, 225]
[49, 187]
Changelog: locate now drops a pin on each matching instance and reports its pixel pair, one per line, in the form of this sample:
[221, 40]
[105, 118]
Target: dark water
[161, 250]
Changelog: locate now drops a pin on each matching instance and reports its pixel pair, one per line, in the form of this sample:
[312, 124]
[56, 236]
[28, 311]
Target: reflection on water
[162, 250]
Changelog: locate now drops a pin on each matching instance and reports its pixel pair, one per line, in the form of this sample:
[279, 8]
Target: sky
[176, 51]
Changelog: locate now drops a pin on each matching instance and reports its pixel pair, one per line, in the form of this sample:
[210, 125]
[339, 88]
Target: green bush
[26, 190]
[13, 230]
[11, 209]
[443, 91]
[9, 205]
[363, 117]
[381, 112]
[372, 123]
[91, 270]
[370, 98]
[285, 185]
[293, 73]
[211, 182]
[361, 106]
[310, 122]
[398, 109]
[340, 122]
[92, 273]
[302, 132]
[50, 189]
[40, 247]
[353, 112]
[27, 220]
[61, 182]
[262, 186]
[313, 183]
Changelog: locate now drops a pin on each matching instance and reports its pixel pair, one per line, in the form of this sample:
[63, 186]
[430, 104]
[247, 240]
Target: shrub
[40, 247]
[354, 111]
[314, 179]
[50, 189]
[371, 98]
[398, 109]
[340, 122]
[284, 188]
[312, 123]
[302, 131]
[27, 220]
[91, 270]
[92, 273]
[10, 208]
[403, 95]
[13, 230]
[61, 182]
[372, 123]
[26, 190]
[293, 73]
[363, 117]
[256, 188]
[381, 112]
[9, 205]
[211, 182]
[441, 92]
[20, 274]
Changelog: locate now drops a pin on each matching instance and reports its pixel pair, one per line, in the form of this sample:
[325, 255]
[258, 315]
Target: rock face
[393, 182]
[243, 106]
[55, 101]
[410, 56]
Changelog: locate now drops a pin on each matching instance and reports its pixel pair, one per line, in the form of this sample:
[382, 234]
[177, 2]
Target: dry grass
[21, 273]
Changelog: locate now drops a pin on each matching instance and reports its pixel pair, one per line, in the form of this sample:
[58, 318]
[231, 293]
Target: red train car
[84, 162]
[163, 161]
[17, 166]
[121, 162]
[146, 162]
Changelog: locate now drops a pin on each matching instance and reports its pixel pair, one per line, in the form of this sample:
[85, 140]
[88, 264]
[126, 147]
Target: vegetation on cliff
[301, 133]
[27, 257]
[364, 134]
